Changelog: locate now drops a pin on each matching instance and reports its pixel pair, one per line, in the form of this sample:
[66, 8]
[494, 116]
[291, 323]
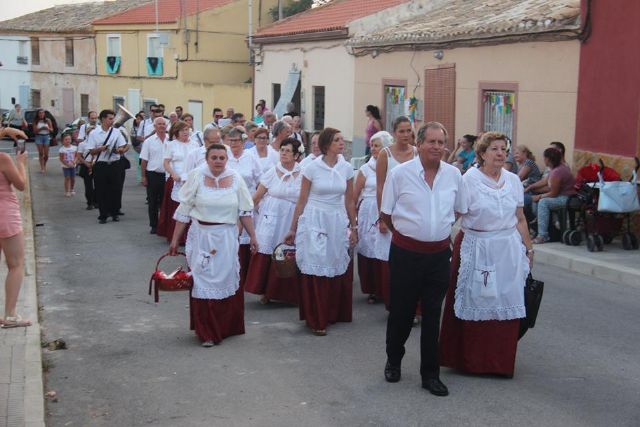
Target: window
[68, 52]
[118, 100]
[275, 93]
[113, 45]
[84, 104]
[35, 51]
[498, 108]
[35, 98]
[153, 46]
[22, 52]
[394, 96]
[318, 107]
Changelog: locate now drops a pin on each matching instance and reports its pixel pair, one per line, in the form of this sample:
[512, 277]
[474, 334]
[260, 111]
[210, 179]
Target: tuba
[122, 116]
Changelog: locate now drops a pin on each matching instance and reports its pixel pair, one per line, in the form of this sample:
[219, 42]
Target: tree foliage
[291, 7]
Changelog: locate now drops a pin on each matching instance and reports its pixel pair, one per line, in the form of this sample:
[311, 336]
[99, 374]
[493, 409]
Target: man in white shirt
[196, 157]
[419, 202]
[106, 145]
[153, 173]
[92, 123]
[146, 128]
[217, 115]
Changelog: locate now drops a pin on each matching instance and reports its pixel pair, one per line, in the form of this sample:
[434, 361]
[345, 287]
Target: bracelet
[530, 251]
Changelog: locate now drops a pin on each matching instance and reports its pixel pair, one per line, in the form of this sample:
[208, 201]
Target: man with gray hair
[418, 206]
[152, 166]
[196, 157]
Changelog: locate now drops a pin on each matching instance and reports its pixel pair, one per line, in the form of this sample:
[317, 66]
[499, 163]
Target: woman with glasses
[249, 169]
[263, 152]
[323, 228]
[276, 198]
[214, 198]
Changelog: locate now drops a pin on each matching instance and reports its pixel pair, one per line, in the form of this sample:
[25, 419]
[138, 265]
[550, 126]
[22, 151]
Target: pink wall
[608, 112]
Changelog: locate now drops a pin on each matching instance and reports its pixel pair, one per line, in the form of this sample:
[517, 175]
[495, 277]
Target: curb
[33, 387]
[588, 266]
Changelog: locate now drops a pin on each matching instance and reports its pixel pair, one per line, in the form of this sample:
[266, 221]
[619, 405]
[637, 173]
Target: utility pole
[279, 10]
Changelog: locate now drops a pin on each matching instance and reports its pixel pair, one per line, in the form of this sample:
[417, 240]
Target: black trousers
[416, 275]
[108, 185]
[155, 193]
[89, 189]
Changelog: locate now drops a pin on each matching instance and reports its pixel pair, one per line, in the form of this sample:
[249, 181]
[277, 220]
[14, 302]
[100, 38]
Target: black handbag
[533, 291]
[124, 162]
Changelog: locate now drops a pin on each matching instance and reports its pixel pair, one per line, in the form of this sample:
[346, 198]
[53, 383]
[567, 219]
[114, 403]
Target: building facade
[15, 79]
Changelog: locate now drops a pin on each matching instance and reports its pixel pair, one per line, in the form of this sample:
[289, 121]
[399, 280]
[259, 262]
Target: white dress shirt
[82, 132]
[153, 152]
[417, 210]
[146, 127]
[97, 139]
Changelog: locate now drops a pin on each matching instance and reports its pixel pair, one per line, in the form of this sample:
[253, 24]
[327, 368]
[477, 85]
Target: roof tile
[169, 11]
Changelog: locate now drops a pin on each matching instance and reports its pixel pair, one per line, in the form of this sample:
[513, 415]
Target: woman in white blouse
[315, 151]
[491, 260]
[214, 198]
[276, 200]
[249, 169]
[175, 155]
[325, 223]
[267, 157]
[369, 269]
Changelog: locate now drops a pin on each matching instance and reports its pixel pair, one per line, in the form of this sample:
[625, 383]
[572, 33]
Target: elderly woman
[175, 156]
[561, 185]
[397, 153]
[528, 170]
[324, 215]
[281, 186]
[491, 259]
[214, 199]
[281, 130]
[249, 169]
[263, 152]
[364, 195]
[251, 128]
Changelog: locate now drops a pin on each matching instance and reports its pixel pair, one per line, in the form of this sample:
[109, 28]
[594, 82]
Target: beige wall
[51, 87]
[52, 54]
[546, 73]
[321, 64]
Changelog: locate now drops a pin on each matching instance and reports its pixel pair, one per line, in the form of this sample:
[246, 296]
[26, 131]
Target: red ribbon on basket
[178, 280]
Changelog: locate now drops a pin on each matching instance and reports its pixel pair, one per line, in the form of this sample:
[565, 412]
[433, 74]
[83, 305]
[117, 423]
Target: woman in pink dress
[373, 125]
[11, 237]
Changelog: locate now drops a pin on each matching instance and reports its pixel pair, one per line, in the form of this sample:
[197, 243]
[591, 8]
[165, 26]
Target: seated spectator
[561, 186]
[539, 186]
[464, 154]
[528, 170]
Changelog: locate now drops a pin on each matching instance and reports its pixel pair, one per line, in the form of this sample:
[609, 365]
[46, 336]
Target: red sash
[414, 245]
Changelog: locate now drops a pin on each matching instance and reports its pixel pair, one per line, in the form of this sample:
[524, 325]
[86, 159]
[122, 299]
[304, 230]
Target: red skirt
[161, 229]
[262, 280]
[214, 319]
[325, 300]
[244, 254]
[475, 347]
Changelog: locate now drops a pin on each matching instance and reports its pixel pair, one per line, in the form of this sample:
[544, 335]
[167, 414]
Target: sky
[10, 8]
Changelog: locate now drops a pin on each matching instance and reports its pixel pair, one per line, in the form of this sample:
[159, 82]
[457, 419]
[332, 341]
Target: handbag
[81, 171]
[618, 196]
[533, 290]
[178, 280]
[124, 162]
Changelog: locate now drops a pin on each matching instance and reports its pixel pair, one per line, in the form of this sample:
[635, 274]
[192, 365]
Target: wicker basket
[284, 263]
[178, 280]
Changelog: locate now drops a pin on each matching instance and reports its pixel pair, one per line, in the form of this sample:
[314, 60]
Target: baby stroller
[598, 218]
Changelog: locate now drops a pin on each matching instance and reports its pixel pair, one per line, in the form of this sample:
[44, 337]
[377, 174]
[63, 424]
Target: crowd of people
[238, 190]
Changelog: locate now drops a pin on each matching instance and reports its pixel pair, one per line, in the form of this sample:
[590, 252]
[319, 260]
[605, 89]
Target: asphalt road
[131, 362]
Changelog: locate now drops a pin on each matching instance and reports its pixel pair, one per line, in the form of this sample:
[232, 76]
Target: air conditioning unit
[22, 59]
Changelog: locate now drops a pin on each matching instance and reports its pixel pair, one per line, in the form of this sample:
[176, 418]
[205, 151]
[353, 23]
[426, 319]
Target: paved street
[131, 362]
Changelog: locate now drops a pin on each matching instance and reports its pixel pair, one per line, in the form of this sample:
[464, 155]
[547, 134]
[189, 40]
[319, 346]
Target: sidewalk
[21, 388]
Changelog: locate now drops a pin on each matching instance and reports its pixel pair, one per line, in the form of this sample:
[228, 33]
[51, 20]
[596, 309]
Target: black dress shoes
[392, 373]
[115, 218]
[102, 220]
[435, 387]
[120, 213]
[153, 231]
[89, 207]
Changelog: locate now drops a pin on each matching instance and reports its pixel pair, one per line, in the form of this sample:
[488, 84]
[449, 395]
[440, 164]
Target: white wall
[321, 64]
[12, 74]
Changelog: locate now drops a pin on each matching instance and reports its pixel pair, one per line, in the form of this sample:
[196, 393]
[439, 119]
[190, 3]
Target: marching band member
[107, 145]
[153, 173]
[87, 127]
[323, 216]
[276, 195]
[85, 160]
[146, 128]
[214, 198]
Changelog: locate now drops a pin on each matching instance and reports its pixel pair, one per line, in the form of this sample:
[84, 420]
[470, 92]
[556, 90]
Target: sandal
[540, 240]
[15, 322]
[372, 299]
[319, 332]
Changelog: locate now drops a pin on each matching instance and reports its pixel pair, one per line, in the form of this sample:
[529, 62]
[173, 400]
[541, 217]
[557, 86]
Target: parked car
[29, 115]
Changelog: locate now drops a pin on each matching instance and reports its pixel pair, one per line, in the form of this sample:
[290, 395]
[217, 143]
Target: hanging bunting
[154, 66]
[113, 64]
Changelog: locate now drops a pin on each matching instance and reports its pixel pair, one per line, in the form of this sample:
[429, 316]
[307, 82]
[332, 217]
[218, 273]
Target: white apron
[491, 279]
